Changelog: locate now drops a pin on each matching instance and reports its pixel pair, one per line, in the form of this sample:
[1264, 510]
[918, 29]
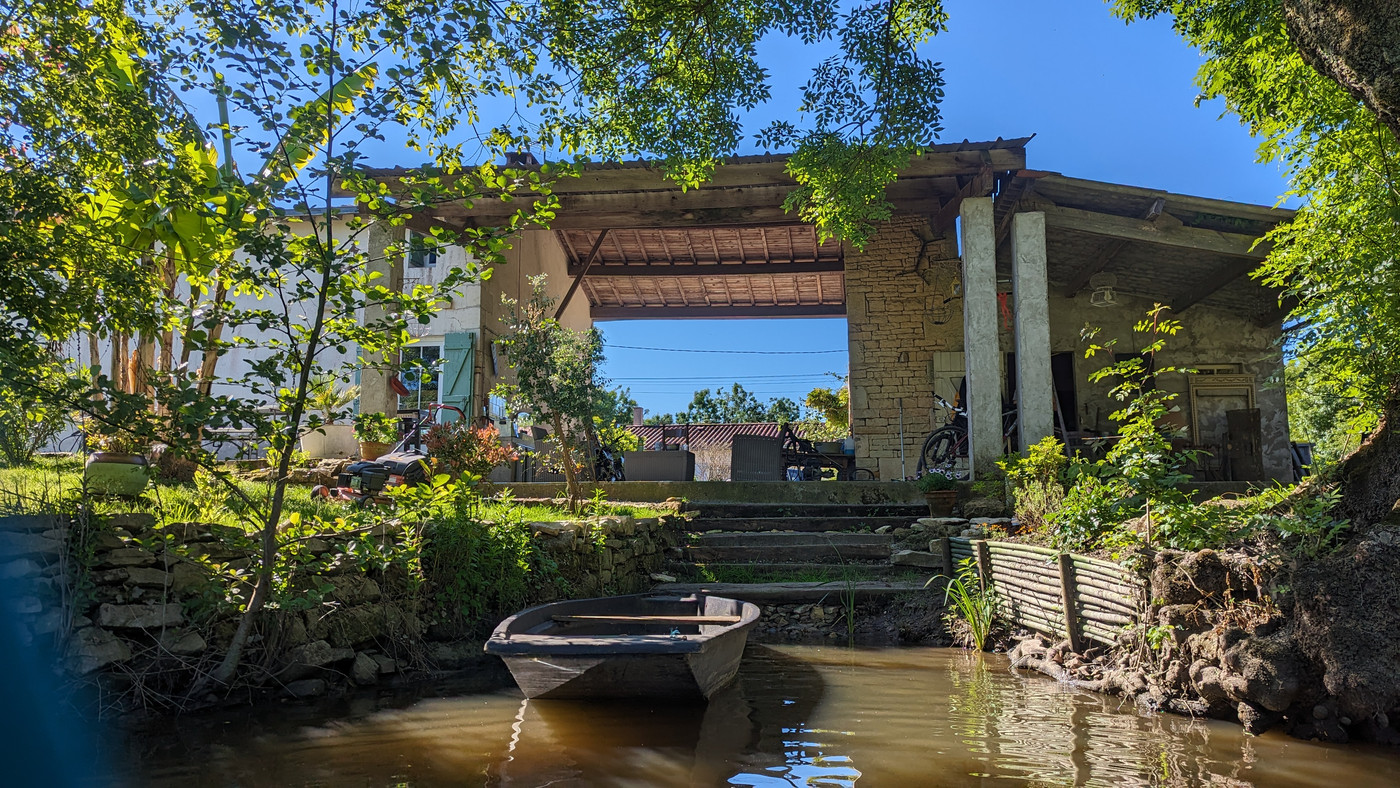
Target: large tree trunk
[1357, 44]
[1371, 476]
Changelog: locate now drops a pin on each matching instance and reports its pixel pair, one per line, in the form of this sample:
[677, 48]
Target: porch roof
[1176, 249]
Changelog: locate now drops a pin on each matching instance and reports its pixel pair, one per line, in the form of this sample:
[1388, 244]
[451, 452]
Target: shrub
[1089, 511]
[460, 448]
[936, 481]
[25, 427]
[376, 428]
[1037, 482]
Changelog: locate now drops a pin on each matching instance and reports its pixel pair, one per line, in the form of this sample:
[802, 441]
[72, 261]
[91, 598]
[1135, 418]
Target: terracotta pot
[116, 473]
[940, 502]
[373, 450]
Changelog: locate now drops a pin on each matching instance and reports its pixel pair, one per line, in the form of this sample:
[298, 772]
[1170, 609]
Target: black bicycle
[946, 445]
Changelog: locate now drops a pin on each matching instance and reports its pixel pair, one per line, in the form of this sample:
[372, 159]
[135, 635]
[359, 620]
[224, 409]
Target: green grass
[51, 484]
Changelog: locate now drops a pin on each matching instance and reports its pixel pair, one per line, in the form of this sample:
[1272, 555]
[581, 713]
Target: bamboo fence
[1058, 594]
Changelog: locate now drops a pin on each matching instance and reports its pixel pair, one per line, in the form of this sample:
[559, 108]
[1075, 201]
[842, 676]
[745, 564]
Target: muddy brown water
[797, 716]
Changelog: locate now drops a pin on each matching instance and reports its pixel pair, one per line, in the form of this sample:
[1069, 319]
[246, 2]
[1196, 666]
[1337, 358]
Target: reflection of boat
[626, 647]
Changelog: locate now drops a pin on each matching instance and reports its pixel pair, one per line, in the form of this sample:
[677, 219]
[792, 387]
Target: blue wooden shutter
[458, 372]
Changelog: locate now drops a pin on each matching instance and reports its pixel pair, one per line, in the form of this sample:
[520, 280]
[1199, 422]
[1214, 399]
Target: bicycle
[943, 447]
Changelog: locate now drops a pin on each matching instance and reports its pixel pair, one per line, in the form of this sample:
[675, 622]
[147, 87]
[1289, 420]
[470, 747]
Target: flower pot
[330, 441]
[940, 502]
[373, 450]
[116, 473]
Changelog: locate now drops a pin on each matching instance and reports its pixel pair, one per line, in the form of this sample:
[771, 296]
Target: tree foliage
[1336, 260]
[556, 376]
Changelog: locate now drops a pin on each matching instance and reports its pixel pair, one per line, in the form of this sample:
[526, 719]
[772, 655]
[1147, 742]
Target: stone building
[987, 271]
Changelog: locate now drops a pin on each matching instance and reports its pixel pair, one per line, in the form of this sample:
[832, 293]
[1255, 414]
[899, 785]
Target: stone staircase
[786, 553]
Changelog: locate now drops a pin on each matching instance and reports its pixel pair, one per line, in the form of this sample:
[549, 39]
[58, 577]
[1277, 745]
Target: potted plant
[330, 401]
[117, 466]
[377, 433]
[941, 492]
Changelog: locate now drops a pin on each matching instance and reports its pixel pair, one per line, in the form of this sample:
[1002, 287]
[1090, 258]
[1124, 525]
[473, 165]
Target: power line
[730, 352]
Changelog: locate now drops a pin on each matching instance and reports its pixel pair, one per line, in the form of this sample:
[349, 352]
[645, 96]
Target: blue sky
[1106, 101]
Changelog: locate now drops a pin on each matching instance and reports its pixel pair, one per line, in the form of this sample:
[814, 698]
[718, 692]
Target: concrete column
[980, 342]
[375, 394]
[1035, 387]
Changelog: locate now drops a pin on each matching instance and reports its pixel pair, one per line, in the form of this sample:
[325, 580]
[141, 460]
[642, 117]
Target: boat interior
[642, 614]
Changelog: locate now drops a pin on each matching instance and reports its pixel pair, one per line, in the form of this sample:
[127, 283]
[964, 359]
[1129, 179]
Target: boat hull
[692, 666]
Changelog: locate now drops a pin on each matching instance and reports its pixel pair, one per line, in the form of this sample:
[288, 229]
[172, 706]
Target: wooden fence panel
[1058, 594]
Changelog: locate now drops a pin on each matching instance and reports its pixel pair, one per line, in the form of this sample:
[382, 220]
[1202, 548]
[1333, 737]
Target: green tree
[1336, 260]
[556, 376]
[120, 219]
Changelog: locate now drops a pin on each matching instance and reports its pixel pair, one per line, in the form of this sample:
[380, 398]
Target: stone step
[805, 524]
[826, 547]
[826, 571]
[712, 511]
[795, 593]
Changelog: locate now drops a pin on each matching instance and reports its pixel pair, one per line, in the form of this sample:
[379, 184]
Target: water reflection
[798, 716]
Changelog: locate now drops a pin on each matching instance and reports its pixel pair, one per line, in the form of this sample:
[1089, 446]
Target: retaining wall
[1059, 594]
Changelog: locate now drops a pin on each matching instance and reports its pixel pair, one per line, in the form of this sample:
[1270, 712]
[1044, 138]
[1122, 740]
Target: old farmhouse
[988, 271]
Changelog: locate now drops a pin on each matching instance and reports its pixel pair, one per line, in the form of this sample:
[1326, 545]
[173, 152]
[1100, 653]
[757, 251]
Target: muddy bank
[1313, 649]
[914, 619]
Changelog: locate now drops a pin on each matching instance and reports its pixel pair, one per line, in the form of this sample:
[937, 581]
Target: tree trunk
[567, 458]
[1357, 44]
[1370, 477]
[216, 331]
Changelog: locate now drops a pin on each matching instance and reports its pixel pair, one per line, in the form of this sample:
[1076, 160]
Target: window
[420, 367]
[422, 250]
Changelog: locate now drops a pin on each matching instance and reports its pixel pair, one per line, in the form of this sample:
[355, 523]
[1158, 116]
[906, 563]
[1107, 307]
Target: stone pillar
[980, 341]
[1035, 386]
[375, 394]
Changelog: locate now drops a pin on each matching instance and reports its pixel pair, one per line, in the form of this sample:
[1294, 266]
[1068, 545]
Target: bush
[460, 448]
[26, 427]
[376, 428]
[936, 481]
[1089, 511]
[1037, 482]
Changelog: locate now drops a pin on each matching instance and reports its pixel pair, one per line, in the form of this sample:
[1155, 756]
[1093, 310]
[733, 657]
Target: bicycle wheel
[940, 451]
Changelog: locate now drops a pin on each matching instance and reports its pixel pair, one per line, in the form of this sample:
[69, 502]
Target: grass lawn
[54, 484]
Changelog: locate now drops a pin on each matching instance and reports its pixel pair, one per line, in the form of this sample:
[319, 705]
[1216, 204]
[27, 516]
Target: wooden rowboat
[636, 646]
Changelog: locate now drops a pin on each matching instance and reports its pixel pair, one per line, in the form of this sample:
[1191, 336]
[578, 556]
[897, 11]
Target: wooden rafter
[979, 185]
[690, 312]
[807, 266]
[1222, 276]
[1110, 250]
[578, 280]
[1163, 233]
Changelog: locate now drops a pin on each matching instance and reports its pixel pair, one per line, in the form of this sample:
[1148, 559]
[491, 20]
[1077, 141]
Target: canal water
[797, 716]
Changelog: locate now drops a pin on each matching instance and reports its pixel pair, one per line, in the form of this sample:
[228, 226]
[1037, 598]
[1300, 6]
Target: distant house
[711, 443]
[705, 435]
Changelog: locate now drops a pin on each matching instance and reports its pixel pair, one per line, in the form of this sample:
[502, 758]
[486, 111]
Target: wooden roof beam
[979, 185]
[1110, 250]
[723, 312]
[578, 280]
[1222, 276]
[808, 266]
[1165, 233]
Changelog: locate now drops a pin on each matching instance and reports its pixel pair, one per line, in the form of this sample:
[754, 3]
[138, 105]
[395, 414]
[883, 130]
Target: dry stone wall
[127, 597]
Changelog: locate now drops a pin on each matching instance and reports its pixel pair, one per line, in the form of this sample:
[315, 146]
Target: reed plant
[974, 605]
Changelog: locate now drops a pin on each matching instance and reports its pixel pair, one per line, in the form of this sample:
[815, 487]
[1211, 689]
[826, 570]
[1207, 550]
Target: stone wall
[903, 316]
[905, 328]
[129, 603]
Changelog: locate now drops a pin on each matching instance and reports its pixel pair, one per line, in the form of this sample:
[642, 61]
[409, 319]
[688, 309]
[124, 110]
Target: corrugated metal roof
[710, 434]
